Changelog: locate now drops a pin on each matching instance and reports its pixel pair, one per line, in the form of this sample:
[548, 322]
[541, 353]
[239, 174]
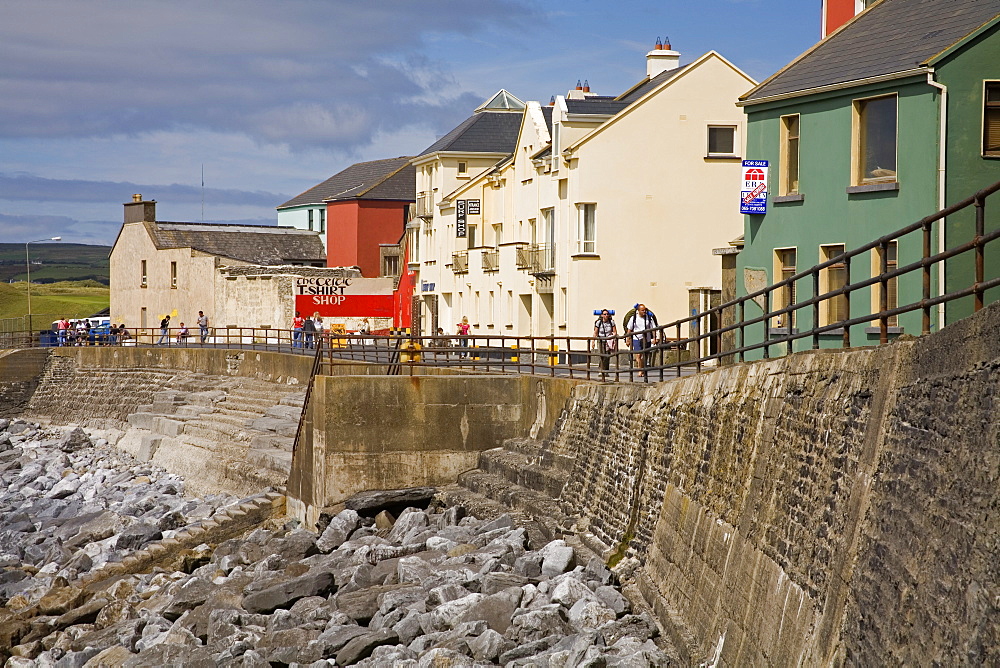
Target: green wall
[967, 170]
[828, 214]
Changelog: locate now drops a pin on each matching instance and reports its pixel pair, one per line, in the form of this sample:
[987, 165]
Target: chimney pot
[586, 86]
[579, 86]
[662, 59]
[137, 198]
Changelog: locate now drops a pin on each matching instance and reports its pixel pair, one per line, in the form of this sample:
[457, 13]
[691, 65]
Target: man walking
[640, 340]
[164, 330]
[203, 325]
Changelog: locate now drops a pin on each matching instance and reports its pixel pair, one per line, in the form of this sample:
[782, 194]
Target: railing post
[925, 326]
[980, 251]
[846, 337]
[883, 298]
[742, 331]
[815, 323]
[767, 323]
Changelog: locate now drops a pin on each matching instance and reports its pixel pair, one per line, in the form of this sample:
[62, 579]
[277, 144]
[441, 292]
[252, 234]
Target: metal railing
[491, 260]
[460, 262]
[543, 259]
[523, 256]
[666, 351]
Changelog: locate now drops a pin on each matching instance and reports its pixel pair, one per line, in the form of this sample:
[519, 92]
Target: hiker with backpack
[607, 340]
[637, 322]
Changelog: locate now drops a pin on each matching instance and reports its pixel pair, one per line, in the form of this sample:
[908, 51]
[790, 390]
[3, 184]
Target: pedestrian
[442, 342]
[607, 340]
[297, 323]
[182, 334]
[113, 334]
[637, 328]
[122, 334]
[203, 325]
[308, 329]
[320, 329]
[164, 330]
[63, 330]
[463, 333]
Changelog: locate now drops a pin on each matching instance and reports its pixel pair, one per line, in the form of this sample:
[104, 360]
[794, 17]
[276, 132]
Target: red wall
[838, 12]
[403, 296]
[355, 228]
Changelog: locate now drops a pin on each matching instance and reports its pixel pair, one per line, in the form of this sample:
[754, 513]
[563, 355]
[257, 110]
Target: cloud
[33, 188]
[309, 73]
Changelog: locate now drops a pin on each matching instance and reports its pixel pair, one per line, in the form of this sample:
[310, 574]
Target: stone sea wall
[821, 508]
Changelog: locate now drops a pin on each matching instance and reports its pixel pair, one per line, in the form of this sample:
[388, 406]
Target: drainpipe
[942, 155]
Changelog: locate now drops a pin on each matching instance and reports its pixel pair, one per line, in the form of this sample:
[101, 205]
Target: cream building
[600, 202]
[160, 268]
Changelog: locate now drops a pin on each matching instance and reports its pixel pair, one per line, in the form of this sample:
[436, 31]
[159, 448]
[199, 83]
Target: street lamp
[27, 265]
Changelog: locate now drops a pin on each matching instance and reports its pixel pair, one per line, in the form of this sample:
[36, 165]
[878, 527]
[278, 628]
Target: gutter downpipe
[942, 155]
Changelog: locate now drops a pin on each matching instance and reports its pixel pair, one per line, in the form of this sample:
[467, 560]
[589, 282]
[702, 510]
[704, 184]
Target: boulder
[73, 440]
[362, 646]
[285, 594]
[338, 531]
[372, 502]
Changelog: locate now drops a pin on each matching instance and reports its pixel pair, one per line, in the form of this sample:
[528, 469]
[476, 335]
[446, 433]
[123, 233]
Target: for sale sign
[753, 193]
[344, 297]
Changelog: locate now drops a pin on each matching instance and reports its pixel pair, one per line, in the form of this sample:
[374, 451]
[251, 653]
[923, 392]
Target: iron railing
[543, 259]
[523, 256]
[491, 260]
[460, 262]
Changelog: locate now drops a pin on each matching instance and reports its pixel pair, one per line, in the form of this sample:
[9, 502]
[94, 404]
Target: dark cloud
[309, 73]
[26, 187]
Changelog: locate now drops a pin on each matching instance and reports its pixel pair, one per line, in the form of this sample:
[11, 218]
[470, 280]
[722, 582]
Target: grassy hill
[53, 262]
[53, 300]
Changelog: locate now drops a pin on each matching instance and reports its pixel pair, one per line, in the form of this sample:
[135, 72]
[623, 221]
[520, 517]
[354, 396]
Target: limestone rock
[285, 594]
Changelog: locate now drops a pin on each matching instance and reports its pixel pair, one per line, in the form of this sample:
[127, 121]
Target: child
[182, 334]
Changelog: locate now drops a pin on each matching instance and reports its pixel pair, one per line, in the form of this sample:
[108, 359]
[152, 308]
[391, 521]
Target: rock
[570, 590]
[441, 657]
[494, 582]
[444, 594]
[453, 515]
[496, 610]
[525, 650]
[137, 535]
[362, 604]
[449, 614]
[74, 440]
[362, 646]
[529, 565]
[537, 624]
[589, 614]
[612, 598]
[641, 627]
[333, 639]
[408, 627]
[285, 594]
[557, 558]
[338, 531]
[384, 520]
[487, 646]
[410, 519]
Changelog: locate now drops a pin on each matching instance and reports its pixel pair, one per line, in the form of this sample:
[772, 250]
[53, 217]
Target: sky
[100, 99]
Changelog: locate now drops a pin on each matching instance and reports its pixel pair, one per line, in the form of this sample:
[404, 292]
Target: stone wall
[821, 508]
[20, 371]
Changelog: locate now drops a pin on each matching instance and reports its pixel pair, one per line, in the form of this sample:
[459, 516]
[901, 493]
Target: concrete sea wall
[825, 508]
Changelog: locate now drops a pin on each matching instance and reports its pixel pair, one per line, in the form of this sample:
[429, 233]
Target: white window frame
[735, 127]
[585, 245]
[828, 252]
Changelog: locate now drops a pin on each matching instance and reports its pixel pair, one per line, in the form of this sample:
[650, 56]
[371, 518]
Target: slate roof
[643, 87]
[483, 132]
[608, 106]
[891, 36]
[390, 179]
[257, 244]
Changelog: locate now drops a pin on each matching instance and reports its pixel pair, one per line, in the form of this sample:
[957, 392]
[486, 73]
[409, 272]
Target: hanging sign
[472, 206]
[460, 228]
[753, 193]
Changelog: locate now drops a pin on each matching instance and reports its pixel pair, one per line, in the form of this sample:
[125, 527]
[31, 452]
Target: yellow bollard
[553, 359]
[409, 351]
[513, 358]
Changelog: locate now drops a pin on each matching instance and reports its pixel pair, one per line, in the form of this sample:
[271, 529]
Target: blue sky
[100, 99]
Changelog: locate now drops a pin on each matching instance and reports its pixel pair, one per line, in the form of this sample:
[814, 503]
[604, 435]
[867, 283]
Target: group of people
[183, 333]
[305, 330]
[639, 338]
[82, 333]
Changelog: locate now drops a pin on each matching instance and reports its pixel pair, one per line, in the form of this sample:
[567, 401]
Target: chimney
[577, 93]
[139, 210]
[661, 59]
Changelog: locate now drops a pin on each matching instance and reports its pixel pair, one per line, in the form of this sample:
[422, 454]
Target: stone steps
[523, 471]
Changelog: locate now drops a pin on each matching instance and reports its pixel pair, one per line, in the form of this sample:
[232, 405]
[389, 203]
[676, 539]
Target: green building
[890, 119]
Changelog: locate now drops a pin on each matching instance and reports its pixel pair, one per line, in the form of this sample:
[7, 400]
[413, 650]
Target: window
[876, 139]
[311, 220]
[832, 278]
[391, 265]
[463, 168]
[789, 155]
[588, 228]
[142, 274]
[470, 231]
[497, 234]
[491, 315]
[784, 263]
[891, 291]
[722, 141]
[991, 119]
[173, 274]
[322, 220]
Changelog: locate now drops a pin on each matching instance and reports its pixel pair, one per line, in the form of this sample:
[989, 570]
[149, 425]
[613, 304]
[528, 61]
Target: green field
[51, 301]
[52, 262]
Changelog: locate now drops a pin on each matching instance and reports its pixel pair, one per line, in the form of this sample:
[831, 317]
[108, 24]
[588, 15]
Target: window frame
[826, 282]
[892, 292]
[859, 142]
[582, 238]
[143, 274]
[173, 275]
[785, 186]
[463, 168]
[787, 296]
[310, 216]
[709, 153]
[989, 107]
[322, 221]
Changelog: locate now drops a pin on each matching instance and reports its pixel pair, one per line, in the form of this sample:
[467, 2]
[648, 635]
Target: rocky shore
[429, 587]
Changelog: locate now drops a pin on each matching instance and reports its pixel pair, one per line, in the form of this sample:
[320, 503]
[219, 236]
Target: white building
[597, 202]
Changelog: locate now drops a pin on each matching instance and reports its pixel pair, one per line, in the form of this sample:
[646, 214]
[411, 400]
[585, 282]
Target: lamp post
[27, 265]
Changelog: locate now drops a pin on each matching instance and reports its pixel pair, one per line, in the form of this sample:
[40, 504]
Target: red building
[366, 207]
[838, 12]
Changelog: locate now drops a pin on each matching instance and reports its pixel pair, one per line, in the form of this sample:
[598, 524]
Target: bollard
[553, 359]
[514, 358]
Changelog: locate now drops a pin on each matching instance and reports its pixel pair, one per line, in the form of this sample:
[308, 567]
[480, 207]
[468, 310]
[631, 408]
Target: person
[308, 328]
[63, 326]
[122, 334]
[297, 324]
[463, 333]
[81, 333]
[182, 334]
[442, 342]
[318, 323]
[113, 334]
[641, 319]
[164, 330]
[203, 325]
[607, 339]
